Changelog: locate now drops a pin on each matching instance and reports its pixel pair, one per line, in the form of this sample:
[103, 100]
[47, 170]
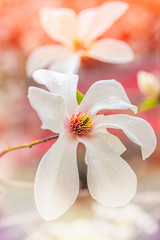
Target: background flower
[78, 34]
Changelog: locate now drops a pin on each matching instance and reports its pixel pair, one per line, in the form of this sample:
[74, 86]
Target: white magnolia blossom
[148, 83]
[111, 181]
[78, 34]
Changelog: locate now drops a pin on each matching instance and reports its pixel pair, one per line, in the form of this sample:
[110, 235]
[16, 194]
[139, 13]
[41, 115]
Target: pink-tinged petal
[111, 50]
[64, 85]
[57, 180]
[105, 94]
[60, 24]
[93, 22]
[110, 179]
[137, 130]
[50, 55]
[50, 108]
[70, 64]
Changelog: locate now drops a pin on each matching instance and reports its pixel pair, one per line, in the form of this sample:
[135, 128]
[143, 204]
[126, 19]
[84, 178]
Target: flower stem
[28, 145]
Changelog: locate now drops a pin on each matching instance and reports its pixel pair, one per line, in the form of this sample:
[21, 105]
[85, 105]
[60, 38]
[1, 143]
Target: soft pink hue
[79, 35]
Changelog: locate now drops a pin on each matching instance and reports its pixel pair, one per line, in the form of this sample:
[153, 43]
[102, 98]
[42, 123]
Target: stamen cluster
[81, 123]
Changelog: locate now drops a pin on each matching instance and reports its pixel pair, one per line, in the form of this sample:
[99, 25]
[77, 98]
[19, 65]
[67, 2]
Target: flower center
[80, 123]
[78, 45]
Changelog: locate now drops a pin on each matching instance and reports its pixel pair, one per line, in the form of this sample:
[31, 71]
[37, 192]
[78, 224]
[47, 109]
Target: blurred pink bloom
[78, 34]
[110, 179]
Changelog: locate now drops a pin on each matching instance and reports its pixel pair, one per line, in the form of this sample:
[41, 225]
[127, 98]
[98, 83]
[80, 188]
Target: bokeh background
[20, 33]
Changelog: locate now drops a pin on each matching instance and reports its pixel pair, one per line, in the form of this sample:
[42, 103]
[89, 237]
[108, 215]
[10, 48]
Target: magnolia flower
[111, 181]
[149, 84]
[78, 34]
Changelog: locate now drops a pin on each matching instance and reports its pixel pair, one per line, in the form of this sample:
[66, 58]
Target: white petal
[137, 130]
[111, 181]
[63, 84]
[105, 94]
[114, 143]
[111, 50]
[93, 22]
[70, 64]
[45, 56]
[111, 140]
[60, 24]
[50, 108]
[57, 180]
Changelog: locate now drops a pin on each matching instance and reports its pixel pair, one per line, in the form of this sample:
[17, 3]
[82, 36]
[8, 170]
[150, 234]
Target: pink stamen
[80, 123]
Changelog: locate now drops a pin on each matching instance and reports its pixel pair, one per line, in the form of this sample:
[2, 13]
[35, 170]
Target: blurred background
[20, 34]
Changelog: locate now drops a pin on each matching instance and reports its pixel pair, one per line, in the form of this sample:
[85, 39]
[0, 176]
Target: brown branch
[28, 145]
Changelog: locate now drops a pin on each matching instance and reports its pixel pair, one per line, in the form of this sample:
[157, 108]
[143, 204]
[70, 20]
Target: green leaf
[79, 96]
[149, 104]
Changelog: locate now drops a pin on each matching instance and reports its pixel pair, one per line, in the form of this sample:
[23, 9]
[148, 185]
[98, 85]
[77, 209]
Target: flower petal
[60, 24]
[137, 130]
[51, 55]
[111, 50]
[105, 94]
[111, 140]
[50, 108]
[93, 22]
[64, 85]
[110, 179]
[114, 143]
[70, 64]
[57, 180]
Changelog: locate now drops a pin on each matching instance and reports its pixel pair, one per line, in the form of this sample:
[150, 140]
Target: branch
[28, 145]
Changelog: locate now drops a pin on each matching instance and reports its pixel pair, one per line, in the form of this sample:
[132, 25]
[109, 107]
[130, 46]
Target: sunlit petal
[46, 56]
[111, 50]
[110, 179]
[105, 94]
[111, 140]
[50, 108]
[93, 22]
[137, 130]
[69, 64]
[60, 24]
[57, 181]
[114, 143]
[63, 84]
